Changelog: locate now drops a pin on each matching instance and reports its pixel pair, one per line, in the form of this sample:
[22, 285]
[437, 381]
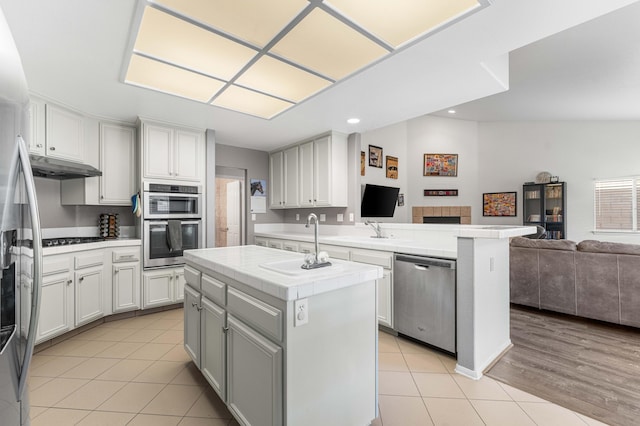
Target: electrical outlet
[297, 216]
[301, 312]
[340, 217]
[323, 217]
[253, 217]
[351, 218]
[492, 264]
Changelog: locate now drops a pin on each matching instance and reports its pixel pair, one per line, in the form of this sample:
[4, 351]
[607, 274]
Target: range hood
[54, 168]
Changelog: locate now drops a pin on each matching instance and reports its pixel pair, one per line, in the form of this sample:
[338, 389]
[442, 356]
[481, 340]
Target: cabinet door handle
[52, 148]
[225, 329]
[69, 282]
[39, 145]
[116, 271]
[81, 279]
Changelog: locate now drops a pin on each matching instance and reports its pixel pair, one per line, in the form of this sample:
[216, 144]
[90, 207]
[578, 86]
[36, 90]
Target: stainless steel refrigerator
[20, 240]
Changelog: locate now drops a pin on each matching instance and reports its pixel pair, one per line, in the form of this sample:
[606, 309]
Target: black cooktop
[54, 242]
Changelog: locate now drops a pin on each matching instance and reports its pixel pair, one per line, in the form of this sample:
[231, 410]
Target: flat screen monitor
[378, 201]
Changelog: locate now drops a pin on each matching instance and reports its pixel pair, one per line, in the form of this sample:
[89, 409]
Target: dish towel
[174, 235]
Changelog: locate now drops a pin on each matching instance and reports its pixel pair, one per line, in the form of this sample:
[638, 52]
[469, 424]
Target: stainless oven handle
[173, 194]
[166, 222]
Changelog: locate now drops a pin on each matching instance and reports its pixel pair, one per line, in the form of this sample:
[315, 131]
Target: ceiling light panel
[250, 102]
[401, 21]
[176, 41]
[280, 79]
[256, 22]
[322, 43]
[169, 79]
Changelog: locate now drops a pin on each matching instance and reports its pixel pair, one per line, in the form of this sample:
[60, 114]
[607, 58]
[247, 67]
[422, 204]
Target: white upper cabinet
[172, 153]
[306, 174]
[188, 153]
[111, 148]
[276, 176]
[319, 175]
[290, 177]
[117, 162]
[36, 139]
[64, 134]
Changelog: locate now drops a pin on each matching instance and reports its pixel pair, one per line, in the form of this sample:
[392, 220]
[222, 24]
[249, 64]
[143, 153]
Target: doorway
[230, 206]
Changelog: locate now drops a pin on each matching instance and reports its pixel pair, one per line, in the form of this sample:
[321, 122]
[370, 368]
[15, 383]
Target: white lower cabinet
[162, 286]
[192, 324]
[213, 346]
[240, 363]
[85, 285]
[254, 370]
[126, 279]
[89, 295]
[56, 307]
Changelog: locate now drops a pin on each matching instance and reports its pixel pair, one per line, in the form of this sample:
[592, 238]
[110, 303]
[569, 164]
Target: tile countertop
[405, 244]
[117, 242]
[242, 264]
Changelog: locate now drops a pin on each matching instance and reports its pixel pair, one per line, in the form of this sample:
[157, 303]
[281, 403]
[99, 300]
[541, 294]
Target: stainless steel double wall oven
[172, 222]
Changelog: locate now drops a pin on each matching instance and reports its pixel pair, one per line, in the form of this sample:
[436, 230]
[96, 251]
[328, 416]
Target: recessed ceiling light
[452, 111]
[353, 120]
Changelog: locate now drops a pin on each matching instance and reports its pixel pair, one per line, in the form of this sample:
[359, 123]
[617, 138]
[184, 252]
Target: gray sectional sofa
[592, 279]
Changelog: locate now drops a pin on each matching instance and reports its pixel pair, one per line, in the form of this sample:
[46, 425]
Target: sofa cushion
[543, 244]
[593, 246]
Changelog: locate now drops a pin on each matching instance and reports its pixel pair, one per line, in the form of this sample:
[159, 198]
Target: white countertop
[117, 242]
[242, 264]
[423, 240]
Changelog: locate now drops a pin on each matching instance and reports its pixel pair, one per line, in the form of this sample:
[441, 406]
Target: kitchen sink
[294, 268]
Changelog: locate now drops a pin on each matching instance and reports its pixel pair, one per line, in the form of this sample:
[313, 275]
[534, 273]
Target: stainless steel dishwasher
[424, 300]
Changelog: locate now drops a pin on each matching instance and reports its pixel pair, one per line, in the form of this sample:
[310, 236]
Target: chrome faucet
[376, 227]
[313, 217]
[315, 263]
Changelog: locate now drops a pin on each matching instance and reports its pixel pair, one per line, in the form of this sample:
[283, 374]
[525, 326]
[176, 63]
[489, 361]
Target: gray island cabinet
[281, 345]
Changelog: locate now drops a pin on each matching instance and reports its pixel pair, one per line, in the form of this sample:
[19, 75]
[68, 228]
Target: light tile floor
[135, 372]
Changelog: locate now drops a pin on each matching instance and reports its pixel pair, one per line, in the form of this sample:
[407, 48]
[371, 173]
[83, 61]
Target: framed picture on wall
[440, 165]
[362, 162]
[392, 167]
[499, 204]
[375, 156]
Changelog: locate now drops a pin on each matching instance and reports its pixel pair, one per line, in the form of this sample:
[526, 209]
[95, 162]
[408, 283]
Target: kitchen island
[482, 273]
[279, 344]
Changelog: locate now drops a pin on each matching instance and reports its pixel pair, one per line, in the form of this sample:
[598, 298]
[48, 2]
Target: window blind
[616, 204]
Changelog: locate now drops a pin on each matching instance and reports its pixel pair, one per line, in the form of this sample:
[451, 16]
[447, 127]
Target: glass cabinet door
[554, 210]
[533, 204]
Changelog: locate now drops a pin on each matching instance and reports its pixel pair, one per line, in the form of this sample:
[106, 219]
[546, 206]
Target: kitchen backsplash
[55, 215]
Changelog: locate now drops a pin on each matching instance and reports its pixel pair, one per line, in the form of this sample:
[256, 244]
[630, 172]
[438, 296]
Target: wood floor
[589, 367]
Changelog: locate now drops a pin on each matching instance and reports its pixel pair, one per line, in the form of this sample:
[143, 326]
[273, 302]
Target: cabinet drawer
[192, 277]
[132, 255]
[86, 260]
[306, 248]
[336, 252]
[259, 314]
[383, 259]
[214, 290]
[290, 246]
[55, 265]
[276, 244]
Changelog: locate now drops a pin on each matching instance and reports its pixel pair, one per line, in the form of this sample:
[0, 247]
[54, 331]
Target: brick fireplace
[448, 214]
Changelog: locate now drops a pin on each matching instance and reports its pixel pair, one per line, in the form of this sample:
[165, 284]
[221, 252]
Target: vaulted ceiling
[523, 59]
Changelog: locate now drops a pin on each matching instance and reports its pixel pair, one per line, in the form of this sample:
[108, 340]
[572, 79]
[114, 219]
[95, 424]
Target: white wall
[409, 141]
[393, 141]
[578, 152]
[436, 135]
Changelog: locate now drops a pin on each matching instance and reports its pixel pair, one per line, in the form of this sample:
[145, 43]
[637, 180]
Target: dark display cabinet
[545, 204]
